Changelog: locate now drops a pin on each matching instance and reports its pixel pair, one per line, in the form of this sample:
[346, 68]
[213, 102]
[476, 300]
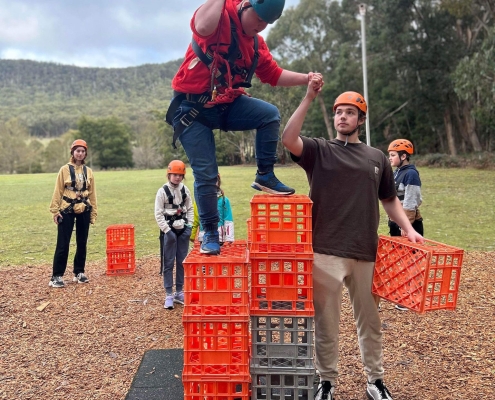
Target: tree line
[431, 79]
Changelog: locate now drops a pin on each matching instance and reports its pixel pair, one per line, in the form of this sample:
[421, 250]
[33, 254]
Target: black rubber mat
[159, 376]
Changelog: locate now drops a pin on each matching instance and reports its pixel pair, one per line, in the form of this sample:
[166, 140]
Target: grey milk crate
[272, 385]
[282, 342]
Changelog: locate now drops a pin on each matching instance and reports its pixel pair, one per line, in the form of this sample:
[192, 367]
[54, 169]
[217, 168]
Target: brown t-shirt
[346, 183]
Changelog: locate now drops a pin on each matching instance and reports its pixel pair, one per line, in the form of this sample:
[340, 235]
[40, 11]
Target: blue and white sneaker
[270, 184]
[210, 244]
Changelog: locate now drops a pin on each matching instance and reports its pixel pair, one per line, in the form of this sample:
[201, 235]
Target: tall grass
[458, 209]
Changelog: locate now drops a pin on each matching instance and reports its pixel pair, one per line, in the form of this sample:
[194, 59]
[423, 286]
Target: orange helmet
[78, 143]
[176, 167]
[352, 98]
[401, 145]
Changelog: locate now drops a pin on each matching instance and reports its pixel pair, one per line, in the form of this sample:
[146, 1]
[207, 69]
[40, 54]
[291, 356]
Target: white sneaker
[401, 308]
[378, 391]
[169, 302]
[56, 282]
[80, 278]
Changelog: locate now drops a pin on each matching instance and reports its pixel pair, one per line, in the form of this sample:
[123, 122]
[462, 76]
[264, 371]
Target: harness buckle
[184, 120]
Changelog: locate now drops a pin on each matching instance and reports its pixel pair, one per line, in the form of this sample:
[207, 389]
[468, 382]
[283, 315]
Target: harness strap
[170, 198]
[73, 178]
[231, 56]
[188, 118]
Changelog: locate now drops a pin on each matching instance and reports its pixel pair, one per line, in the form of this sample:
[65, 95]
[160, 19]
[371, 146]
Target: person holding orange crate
[347, 181]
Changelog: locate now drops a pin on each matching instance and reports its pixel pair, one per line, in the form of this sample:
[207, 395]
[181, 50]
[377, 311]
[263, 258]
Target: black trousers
[65, 229]
[395, 229]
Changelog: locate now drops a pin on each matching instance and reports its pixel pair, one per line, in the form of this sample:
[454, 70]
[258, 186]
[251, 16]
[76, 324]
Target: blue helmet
[268, 10]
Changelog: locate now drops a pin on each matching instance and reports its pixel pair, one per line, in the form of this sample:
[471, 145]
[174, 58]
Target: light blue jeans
[245, 113]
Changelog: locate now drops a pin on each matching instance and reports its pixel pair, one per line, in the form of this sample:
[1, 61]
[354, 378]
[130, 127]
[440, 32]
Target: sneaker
[401, 308]
[179, 298]
[210, 243]
[80, 278]
[169, 302]
[378, 391]
[325, 391]
[270, 184]
[56, 282]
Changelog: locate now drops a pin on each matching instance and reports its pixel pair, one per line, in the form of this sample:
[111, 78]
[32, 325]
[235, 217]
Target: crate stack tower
[121, 250]
[216, 324]
[281, 303]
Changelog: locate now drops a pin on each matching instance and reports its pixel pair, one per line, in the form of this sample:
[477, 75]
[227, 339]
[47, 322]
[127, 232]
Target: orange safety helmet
[78, 143]
[352, 98]
[176, 167]
[401, 145]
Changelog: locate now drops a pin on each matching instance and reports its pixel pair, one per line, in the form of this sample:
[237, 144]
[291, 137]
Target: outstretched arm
[291, 78]
[208, 16]
[290, 137]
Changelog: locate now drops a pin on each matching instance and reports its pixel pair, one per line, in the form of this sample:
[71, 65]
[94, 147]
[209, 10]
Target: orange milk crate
[217, 285]
[238, 388]
[283, 222]
[236, 251]
[420, 277]
[249, 239]
[121, 261]
[216, 349]
[120, 236]
[209, 294]
[282, 285]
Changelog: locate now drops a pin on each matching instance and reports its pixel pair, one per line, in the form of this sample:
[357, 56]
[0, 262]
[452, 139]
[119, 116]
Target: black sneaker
[378, 391]
[80, 278]
[56, 282]
[325, 391]
[401, 308]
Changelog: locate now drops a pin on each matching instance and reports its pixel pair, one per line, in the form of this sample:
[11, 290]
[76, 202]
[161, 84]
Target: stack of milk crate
[216, 324]
[281, 307]
[121, 250]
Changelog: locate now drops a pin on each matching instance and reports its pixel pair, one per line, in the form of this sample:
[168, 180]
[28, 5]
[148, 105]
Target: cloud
[97, 33]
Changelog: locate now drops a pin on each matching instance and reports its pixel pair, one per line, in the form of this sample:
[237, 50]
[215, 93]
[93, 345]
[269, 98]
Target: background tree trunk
[326, 118]
[449, 132]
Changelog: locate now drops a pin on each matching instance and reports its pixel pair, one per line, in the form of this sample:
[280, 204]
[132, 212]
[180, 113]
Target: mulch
[86, 341]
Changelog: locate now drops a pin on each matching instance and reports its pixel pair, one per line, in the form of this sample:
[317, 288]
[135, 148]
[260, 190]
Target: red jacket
[195, 77]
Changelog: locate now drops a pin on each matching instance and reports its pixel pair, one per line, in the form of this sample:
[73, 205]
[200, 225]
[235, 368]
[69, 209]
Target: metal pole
[362, 11]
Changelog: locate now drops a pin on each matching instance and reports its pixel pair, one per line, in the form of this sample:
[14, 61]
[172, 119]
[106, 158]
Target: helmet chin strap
[349, 134]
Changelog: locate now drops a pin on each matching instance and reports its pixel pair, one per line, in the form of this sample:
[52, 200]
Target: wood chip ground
[86, 341]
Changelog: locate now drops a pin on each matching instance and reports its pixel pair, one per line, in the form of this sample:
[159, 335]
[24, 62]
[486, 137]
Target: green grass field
[458, 209]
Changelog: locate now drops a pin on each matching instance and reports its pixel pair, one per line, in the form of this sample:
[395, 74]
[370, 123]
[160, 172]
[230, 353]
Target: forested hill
[50, 97]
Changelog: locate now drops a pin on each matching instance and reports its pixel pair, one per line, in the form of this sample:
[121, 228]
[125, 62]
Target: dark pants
[65, 229]
[395, 229]
[174, 250]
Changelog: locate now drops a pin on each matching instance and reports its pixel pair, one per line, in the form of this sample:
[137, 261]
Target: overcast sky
[97, 33]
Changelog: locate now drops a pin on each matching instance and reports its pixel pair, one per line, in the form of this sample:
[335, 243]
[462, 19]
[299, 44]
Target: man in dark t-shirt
[347, 179]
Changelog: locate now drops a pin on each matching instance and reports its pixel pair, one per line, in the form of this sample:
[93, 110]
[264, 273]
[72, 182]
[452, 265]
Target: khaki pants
[330, 273]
